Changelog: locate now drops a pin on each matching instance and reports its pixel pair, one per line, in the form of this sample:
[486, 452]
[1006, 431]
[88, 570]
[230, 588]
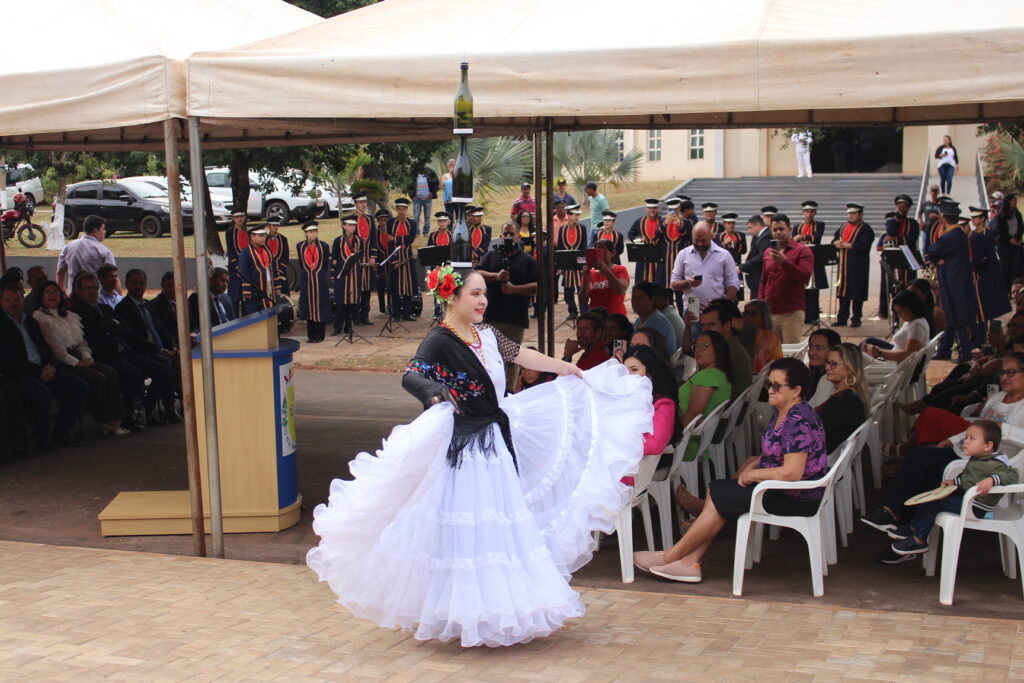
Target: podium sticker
[287, 410]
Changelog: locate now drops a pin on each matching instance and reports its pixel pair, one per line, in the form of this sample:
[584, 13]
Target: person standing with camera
[511, 277]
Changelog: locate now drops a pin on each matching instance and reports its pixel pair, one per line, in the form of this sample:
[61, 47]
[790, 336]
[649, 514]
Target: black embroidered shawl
[445, 359]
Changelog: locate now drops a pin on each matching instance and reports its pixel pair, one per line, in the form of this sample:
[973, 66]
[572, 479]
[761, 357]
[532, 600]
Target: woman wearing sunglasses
[792, 449]
[922, 469]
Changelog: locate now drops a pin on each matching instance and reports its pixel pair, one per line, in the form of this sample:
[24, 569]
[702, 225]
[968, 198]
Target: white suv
[282, 202]
[22, 178]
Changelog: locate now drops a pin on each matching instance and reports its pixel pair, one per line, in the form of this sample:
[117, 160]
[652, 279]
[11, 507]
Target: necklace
[476, 344]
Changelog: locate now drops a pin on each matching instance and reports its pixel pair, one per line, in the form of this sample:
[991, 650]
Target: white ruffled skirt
[483, 553]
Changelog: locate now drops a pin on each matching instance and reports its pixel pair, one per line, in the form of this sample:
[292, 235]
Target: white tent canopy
[88, 65]
[390, 70]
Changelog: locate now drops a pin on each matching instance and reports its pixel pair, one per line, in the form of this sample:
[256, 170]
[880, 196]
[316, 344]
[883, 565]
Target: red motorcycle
[17, 222]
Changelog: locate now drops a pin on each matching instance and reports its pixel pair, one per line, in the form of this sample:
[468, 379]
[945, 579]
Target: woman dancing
[470, 520]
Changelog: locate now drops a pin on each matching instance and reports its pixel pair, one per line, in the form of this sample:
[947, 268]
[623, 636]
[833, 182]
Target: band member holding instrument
[314, 283]
[853, 241]
[400, 271]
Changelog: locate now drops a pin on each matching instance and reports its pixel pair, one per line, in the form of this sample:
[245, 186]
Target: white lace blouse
[64, 335]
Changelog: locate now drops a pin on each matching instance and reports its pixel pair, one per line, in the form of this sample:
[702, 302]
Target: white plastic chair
[688, 471]
[815, 529]
[660, 487]
[1007, 522]
[624, 517]
[846, 485]
[797, 350]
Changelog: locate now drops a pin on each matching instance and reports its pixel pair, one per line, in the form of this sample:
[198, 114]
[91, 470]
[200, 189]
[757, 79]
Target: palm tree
[497, 162]
[594, 155]
[1013, 152]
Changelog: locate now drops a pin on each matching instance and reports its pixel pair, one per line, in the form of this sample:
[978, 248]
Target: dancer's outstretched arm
[535, 360]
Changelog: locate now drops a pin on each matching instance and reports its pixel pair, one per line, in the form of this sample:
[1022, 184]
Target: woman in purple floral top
[792, 449]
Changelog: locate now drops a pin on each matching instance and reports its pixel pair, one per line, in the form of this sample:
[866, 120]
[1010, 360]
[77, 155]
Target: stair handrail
[979, 172]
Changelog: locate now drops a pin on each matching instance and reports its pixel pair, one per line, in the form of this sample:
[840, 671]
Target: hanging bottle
[463, 121]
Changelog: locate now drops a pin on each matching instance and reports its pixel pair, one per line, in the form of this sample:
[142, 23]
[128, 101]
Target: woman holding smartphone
[605, 283]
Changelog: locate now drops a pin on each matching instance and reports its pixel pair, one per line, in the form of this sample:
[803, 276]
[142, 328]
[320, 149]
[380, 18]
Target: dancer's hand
[443, 395]
[570, 369]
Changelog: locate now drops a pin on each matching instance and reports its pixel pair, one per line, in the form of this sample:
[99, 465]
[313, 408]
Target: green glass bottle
[463, 105]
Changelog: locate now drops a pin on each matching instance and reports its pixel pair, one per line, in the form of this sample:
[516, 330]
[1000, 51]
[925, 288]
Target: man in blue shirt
[28, 362]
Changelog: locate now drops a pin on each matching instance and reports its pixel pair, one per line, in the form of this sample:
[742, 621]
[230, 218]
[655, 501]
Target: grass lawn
[134, 245]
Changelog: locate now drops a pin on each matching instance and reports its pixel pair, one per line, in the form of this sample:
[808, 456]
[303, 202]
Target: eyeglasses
[775, 386]
[1009, 373]
[832, 364]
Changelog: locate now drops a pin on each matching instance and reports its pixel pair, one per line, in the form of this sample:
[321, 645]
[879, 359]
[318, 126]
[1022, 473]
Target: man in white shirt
[802, 144]
[704, 269]
[86, 254]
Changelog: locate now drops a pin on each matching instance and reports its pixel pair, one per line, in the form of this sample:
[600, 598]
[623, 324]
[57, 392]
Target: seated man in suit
[165, 308]
[150, 346]
[28, 362]
[221, 310]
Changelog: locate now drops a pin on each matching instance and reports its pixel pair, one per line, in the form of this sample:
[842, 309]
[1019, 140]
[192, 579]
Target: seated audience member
[102, 332]
[1017, 294]
[792, 449]
[149, 350]
[648, 336]
[710, 386]
[641, 360]
[649, 316]
[663, 302]
[845, 410]
[718, 319]
[28, 362]
[221, 309]
[767, 345]
[923, 467]
[531, 378]
[605, 284]
[617, 328]
[589, 339]
[910, 337]
[15, 440]
[110, 285]
[62, 329]
[819, 344]
[986, 467]
[36, 277]
[14, 275]
[166, 306]
[936, 316]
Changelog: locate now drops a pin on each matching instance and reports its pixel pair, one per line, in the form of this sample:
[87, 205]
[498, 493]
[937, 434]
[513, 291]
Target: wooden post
[549, 208]
[188, 398]
[3, 207]
[540, 245]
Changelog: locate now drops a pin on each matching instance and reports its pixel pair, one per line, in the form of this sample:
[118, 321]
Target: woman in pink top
[642, 360]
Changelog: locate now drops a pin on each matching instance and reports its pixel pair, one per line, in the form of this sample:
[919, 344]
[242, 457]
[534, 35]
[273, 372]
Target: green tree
[594, 155]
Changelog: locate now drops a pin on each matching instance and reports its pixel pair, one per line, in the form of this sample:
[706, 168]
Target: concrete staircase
[746, 196]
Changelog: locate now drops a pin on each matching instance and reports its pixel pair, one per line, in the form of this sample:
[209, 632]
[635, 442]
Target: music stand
[827, 255]
[430, 257]
[644, 253]
[570, 259]
[346, 270]
[389, 323]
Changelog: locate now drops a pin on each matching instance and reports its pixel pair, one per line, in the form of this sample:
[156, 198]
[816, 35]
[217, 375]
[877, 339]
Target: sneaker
[900, 533]
[645, 559]
[677, 571]
[880, 519]
[889, 557]
[909, 546]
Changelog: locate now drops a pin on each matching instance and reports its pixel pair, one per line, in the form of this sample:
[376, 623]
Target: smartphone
[693, 305]
[698, 278]
[775, 245]
[995, 327]
[618, 345]
[594, 256]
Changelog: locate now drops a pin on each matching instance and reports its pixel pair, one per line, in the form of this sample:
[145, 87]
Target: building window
[654, 145]
[621, 138]
[697, 143]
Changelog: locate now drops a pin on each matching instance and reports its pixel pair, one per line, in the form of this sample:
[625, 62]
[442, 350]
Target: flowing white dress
[483, 553]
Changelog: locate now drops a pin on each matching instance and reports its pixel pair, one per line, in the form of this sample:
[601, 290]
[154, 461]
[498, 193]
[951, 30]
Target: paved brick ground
[88, 614]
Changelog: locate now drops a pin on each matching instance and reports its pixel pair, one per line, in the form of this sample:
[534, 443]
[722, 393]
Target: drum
[285, 315]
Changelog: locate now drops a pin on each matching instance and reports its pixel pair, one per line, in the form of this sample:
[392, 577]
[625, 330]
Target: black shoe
[154, 420]
[839, 323]
[900, 533]
[132, 426]
[364, 321]
[889, 557]
[409, 318]
[335, 331]
[880, 519]
[855, 323]
[65, 440]
[883, 316]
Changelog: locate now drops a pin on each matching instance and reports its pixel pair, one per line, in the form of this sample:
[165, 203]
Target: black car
[127, 206]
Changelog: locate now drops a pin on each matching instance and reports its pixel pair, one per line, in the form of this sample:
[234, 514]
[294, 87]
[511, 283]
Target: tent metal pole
[199, 199]
[549, 209]
[188, 395]
[541, 244]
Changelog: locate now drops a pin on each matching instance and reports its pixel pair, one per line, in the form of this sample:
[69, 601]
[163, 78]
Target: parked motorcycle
[17, 222]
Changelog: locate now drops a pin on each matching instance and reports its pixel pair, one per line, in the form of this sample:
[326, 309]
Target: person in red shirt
[605, 284]
[524, 202]
[787, 268]
[589, 338]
